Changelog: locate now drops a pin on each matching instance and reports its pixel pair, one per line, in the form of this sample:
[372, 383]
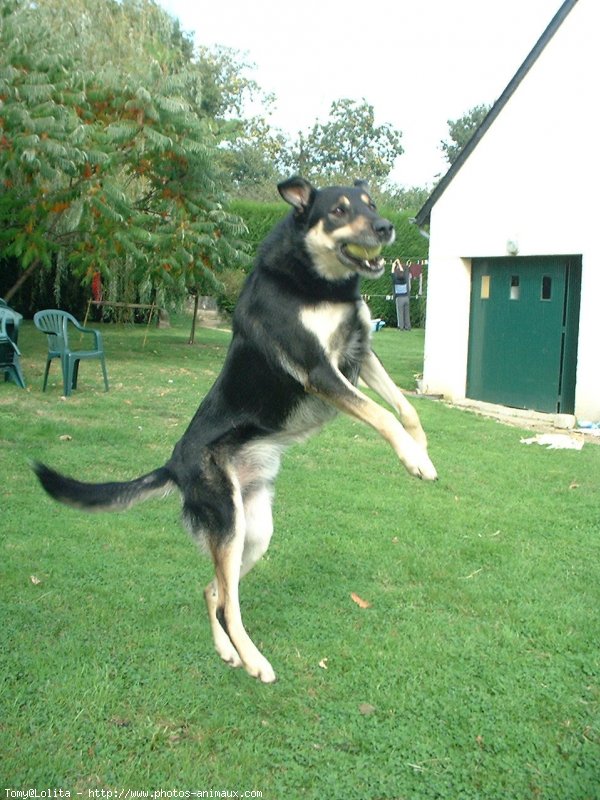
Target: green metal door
[523, 332]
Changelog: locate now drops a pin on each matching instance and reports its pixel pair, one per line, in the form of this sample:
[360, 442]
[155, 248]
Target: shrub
[232, 281]
[260, 219]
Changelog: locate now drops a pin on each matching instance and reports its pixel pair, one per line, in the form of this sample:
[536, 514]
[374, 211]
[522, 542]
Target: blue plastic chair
[55, 324]
[10, 355]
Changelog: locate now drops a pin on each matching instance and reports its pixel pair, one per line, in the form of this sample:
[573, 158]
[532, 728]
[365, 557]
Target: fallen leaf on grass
[359, 601]
[323, 663]
[35, 580]
[120, 722]
[66, 437]
[366, 709]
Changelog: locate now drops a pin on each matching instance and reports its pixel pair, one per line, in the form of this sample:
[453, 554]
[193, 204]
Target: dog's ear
[297, 192]
[364, 185]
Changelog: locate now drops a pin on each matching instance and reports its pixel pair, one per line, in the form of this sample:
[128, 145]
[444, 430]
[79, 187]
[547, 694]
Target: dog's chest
[340, 328]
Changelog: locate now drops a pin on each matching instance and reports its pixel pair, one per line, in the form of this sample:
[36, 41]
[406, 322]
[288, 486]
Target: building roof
[423, 216]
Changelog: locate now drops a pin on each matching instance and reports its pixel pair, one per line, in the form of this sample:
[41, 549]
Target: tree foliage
[348, 142]
[226, 88]
[119, 140]
[461, 130]
[105, 163]
[406, 198]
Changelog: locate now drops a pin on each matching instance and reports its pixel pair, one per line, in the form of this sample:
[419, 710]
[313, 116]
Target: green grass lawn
[473, 673]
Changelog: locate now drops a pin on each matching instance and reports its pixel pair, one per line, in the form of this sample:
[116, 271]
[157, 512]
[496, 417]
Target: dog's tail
[104, 496]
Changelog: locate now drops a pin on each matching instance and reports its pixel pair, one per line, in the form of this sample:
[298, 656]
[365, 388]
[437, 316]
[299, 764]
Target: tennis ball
[366, 253]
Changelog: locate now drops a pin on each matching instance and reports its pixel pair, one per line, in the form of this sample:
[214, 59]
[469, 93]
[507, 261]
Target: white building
[513, 306]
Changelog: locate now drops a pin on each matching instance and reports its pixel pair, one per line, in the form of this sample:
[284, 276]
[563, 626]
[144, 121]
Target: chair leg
[70, 373]
[19, 379]
[75, 373]
[13, 373]
[66, 373]
[103, 365]
[48, 360]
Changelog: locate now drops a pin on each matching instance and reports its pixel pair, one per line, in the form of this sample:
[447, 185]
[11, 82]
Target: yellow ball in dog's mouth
[363, 253]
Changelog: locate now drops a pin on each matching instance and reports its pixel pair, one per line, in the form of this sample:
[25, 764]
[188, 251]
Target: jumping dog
[301, 340]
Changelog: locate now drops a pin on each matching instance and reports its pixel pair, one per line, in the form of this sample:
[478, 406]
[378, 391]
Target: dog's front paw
[427, 471]
[420, 465]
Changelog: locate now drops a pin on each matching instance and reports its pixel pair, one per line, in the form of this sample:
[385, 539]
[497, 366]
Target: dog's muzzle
[364, 255]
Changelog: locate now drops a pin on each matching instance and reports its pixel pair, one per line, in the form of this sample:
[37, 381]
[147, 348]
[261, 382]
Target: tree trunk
[21, 280]
[195, 314]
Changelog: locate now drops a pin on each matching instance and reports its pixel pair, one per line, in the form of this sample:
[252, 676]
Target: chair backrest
[54, 323]
[8, 349]
[7, 316]
[3, 318]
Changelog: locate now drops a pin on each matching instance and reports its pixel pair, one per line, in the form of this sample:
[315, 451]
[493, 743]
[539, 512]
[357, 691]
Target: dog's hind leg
[259, 526]
[228, 558]
[259, 529]
[223, 644]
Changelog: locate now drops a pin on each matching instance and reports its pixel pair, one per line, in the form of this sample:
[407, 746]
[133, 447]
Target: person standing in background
[401, 290]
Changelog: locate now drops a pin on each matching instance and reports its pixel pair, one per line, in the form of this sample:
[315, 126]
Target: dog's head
[342, 230]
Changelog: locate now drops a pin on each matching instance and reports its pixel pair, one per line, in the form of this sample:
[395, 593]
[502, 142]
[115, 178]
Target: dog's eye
[338, 211]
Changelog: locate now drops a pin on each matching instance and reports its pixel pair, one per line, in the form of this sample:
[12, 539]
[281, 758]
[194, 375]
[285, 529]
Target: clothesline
[414, 267]
[415, 270]
[367, 297]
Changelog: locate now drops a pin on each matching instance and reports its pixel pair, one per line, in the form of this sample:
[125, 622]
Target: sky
[419, 63]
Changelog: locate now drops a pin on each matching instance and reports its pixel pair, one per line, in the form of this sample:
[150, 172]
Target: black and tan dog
[301, 340]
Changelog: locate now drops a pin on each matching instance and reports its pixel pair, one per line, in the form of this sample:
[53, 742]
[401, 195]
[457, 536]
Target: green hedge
[260, 218]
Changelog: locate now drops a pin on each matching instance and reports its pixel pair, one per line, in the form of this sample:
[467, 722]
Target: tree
[104, 162]
[461, 130]
[406, 198]
[226, 90]
[251, 163]
[249, 149]
[348, 144]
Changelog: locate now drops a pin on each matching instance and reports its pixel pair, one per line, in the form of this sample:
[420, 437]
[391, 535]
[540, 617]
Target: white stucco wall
[532, 180]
